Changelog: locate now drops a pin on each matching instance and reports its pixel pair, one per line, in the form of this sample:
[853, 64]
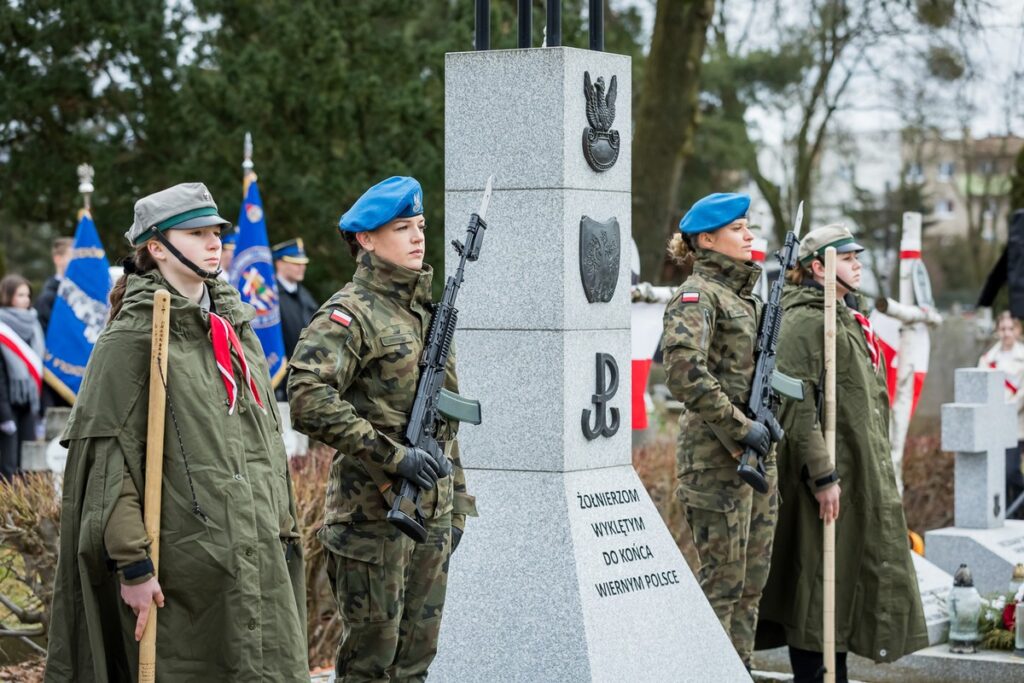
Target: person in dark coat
[297, 305]
[21, 370]
[61, 253]
[878, 608]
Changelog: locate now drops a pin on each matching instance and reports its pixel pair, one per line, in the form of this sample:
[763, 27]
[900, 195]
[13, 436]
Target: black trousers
[10, 444]
[1014, 480]
[809, 667]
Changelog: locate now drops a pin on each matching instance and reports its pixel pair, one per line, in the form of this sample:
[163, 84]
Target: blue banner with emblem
[252, 272]
[79, 311]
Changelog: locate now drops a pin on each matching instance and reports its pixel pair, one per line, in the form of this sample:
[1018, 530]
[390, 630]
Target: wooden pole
[829, 583]
[155, 466]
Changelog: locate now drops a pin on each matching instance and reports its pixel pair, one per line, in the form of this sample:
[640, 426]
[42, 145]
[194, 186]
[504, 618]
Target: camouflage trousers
[733, 527]
[390, 591]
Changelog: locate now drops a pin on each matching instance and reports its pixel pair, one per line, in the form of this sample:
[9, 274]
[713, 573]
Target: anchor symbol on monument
[605, 391]
[995, 505]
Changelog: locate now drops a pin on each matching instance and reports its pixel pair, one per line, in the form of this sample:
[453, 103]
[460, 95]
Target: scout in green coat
[230, 592]
[352, 384]
[878, 607]
[710, 331]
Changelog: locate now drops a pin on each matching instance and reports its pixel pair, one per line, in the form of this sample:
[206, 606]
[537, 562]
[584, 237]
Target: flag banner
[252, 273]
[79, 312]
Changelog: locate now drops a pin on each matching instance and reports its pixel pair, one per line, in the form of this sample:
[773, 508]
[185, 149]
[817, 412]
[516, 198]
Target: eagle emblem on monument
[600, 142]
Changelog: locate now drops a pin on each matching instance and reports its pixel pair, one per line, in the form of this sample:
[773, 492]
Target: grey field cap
[184, 206]
[836, 235]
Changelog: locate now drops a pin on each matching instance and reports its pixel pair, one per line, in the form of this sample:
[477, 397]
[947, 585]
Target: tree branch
[24, 616]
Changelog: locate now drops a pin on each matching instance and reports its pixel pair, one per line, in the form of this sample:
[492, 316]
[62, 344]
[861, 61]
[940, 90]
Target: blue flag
[79, 312]
[252, 272]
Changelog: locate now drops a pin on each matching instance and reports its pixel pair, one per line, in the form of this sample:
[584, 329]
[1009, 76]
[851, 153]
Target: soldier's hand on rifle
[758, 438]
[828, 503]
[140, 598]
[456, 538]
[419, 467]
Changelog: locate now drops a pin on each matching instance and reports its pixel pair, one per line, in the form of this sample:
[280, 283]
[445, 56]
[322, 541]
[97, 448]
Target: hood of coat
[739, 276]
[138, 303]
[393, 280]
[810, 293]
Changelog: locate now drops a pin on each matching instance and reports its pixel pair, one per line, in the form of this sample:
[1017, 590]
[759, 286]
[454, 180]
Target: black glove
[758, 438]
[419, 467]
[456, 537]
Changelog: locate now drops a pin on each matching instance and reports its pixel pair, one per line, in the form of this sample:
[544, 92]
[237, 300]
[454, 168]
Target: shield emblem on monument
[599, 258]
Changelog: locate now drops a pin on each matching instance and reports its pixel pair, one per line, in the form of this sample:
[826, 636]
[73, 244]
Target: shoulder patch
[689, 297]
[341, 317]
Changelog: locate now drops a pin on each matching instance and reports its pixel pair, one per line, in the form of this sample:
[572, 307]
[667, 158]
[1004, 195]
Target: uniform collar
[393, 280]
[740, 276]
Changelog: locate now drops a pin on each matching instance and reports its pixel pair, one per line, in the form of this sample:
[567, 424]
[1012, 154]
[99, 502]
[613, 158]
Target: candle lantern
[964, 611]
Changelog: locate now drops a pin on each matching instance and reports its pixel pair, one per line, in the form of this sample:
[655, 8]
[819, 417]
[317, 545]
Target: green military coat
[352, 385]
[235, 606]
[710, 333]
[878, 607]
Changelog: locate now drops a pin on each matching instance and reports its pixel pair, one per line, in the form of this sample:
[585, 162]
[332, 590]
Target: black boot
[809, 666]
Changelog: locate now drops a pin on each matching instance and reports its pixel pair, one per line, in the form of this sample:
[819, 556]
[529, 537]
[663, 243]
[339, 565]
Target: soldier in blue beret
[710, 331]
[353, 381]
[297, 305]
[228, 241]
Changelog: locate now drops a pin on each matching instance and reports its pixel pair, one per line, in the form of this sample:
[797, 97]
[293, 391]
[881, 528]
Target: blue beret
[290, 251]
[396, 197]
[713, 212]
[229, 237]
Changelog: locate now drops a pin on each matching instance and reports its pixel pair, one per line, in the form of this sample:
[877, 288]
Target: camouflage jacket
[352, 384]
[710, 332]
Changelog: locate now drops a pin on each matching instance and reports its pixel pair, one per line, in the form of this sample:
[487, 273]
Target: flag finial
[85, 186]
[247, 153]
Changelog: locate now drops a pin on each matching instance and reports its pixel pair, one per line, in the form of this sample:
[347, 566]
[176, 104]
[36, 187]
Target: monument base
[573, 576]
[990, 553]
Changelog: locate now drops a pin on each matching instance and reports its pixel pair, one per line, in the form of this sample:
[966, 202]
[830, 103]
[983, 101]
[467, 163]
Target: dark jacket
[45, 300]
[878, 607]
[297, 309]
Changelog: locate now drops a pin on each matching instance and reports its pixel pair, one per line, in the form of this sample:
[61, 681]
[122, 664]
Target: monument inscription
[623, 544]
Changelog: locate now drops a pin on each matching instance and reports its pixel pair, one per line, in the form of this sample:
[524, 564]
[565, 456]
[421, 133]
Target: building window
[944, 208]
[914, 174]
[946, 169]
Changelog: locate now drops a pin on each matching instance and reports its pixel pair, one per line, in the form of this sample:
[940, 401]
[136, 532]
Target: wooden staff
[829, 587]
[155, 466]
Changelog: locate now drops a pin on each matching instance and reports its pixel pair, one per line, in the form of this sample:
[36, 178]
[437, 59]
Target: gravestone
[978, 427]
[933, 584]
[569, 573]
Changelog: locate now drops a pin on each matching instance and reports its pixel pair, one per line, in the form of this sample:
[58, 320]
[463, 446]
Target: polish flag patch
[690, 297]
[341, 317]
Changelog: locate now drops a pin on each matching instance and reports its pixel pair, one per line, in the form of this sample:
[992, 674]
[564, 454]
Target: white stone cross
[978, 427]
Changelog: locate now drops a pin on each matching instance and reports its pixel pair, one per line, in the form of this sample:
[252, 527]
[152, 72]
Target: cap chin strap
[205, 274]
[840, 280]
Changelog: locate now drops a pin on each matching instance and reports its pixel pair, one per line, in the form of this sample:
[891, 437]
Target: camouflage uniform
[710, 331]
[353, 380]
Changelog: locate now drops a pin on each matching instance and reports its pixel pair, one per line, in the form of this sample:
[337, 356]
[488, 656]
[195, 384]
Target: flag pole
[829, 554]
[248, 174]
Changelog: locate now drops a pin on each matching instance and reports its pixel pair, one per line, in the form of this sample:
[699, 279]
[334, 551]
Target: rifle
[432, 400]
[768, 383]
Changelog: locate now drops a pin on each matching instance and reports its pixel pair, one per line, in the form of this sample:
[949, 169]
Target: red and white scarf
[18, 348]
[225, 341]
[1013, 388]
[869, 336]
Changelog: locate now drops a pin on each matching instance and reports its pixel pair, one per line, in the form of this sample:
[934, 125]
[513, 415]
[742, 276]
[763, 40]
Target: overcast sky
[995, 94]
